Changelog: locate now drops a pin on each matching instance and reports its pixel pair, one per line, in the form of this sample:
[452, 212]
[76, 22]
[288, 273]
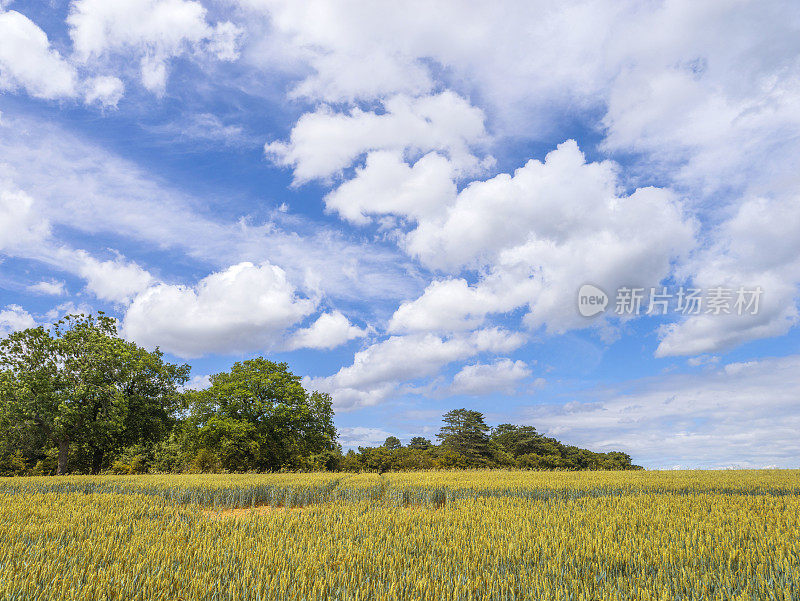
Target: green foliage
[84, 389]
[170, 454]
[392, 443]
[467, 442]
[13, 464]
[465, 433]
[205, 461]
[258, 417]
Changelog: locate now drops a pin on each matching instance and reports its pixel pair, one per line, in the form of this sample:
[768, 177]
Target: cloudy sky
[402, 200]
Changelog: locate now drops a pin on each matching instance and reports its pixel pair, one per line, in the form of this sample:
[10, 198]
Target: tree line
[78, 398]
[466, 441]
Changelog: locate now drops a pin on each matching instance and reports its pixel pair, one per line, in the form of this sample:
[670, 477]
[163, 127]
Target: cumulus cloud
[453, 305]
[14, 318]
[117, 280]
[378, 370]
[324, 142]
[246, 307]
[561, 201]
[486, 378]
[386, 185]
[536, 236]
[360, 50]
[154, 31]
[743, 410]
[27, 61]
[328, 331]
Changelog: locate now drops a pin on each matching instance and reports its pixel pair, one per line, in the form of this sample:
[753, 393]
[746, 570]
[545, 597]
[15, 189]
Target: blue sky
[402, 201]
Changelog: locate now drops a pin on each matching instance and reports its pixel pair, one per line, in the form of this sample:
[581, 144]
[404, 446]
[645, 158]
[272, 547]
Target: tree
[392, 443]
[376, 458]
[465, 432]
[516, 440]
[79, 384]
[259, 417]
[420, 443]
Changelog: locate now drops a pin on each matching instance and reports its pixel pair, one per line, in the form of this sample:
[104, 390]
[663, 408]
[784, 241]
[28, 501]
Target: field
[428, 535]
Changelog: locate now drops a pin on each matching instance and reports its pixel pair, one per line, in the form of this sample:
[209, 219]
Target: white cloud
[387, 185]
[49, 287]
[445, 305]
[323, 143]
[246, 307]
[454, 305]
[486, 378]
[198, 382]
[328, 331]
[154, 75]
[532, 62]
[536, 237]
[27, 61]
[351, 438]
[703, 360]
[14, 318]
[21, 226]
[378, 370]
[363, 50]
[745, 413]
[152, 30]
[553, 205]
[24, 232]
[224, 42]
[117, 280]
[708, 96]
[105, 90]
[756, 247]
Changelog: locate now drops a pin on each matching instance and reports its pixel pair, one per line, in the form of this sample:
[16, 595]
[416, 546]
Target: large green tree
[79, 384]
[465, 432]
[259, 417]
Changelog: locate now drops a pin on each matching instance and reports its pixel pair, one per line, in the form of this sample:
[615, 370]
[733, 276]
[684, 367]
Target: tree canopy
[259, 417]
[466, 441]
[79, 385]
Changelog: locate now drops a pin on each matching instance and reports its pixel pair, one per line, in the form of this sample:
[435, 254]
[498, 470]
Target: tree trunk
[63, 451]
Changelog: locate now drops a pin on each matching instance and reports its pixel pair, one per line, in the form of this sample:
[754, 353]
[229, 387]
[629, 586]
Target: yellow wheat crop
[586, 536]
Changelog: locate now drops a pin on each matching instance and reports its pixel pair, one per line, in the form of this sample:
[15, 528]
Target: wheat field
[584, 536]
